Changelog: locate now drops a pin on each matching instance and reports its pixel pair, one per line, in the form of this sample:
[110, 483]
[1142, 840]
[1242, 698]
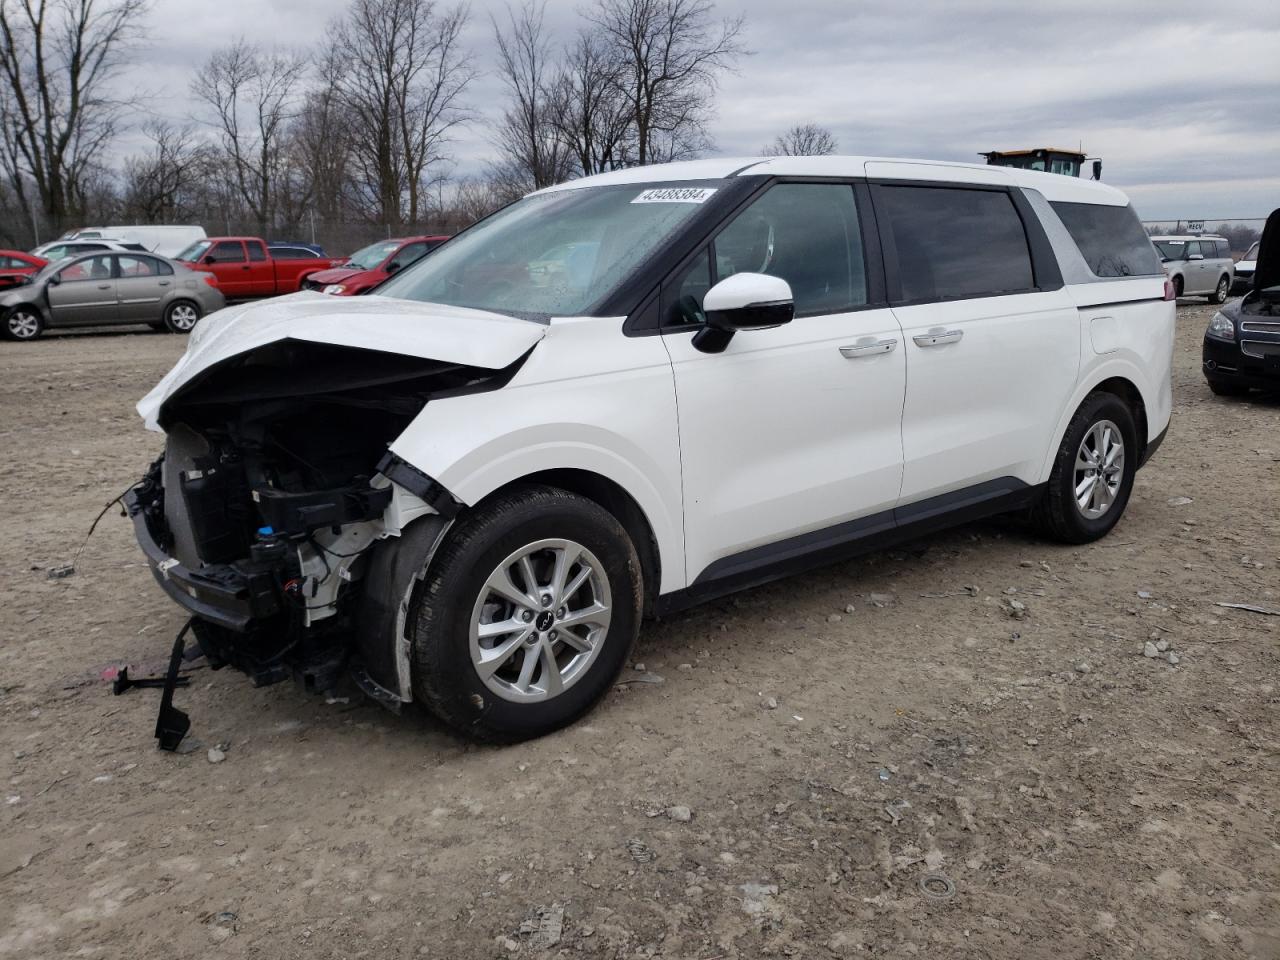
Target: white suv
[634, 392]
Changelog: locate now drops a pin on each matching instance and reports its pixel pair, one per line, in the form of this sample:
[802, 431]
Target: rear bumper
[220, 594]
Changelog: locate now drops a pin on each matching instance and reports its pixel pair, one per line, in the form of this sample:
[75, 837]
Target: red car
[246, 267]
[17, 267]
[367, 268]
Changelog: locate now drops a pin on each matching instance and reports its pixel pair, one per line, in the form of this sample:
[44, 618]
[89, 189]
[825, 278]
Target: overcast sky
[1180, 99]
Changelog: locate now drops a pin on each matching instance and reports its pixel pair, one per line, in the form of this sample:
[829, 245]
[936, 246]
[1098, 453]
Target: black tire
[158, 325]
[1177, 288]
[23, 323]
[1223, 388]
[445, 679]
[1221, 291]
[181, 316]
[1058, 515]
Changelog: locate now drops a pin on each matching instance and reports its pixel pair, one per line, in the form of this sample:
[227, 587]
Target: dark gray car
[109, 288]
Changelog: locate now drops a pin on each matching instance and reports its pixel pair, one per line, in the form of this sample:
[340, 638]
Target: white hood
[428, 330]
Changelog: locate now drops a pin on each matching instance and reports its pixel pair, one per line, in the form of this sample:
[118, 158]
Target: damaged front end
[275, 484]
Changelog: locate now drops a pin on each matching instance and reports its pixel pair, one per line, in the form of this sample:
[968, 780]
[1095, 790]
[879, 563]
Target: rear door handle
[871, 348]
[104, 286]
[937, 337]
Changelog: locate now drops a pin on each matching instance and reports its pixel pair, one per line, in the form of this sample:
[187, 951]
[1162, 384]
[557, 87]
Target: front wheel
[1220, 292]
[1093, 472]
[181, 316]
[23, 323]
[527, 614]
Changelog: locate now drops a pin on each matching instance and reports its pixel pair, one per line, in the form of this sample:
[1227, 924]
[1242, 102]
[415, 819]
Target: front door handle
[870, 348]
[104, 286]
[937, 337]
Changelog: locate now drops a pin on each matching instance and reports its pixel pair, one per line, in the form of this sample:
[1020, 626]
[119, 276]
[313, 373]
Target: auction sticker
[676, 195]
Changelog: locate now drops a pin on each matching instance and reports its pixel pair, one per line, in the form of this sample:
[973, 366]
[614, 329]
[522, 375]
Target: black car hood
[1267, 272]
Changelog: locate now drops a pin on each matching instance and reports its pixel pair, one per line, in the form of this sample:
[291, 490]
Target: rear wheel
[1093, 472]
[181, 316]
[1223, 388]
[526, 616]
[1221, 291]
[23, 323]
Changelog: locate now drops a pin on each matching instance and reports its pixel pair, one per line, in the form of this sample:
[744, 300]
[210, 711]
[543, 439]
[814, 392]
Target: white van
[166, 240]
[638, 391]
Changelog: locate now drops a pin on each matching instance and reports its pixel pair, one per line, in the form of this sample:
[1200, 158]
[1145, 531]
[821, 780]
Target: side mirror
[1196, 256]
[744, 301]
[55, 280]
[392, 267]
[209, 259]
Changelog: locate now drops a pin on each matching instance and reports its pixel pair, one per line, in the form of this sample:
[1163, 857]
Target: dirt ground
[813, 752]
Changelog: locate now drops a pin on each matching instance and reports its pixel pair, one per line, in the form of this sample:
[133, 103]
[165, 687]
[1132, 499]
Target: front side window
[1251, 253]
[410, 253]
[553, 254]
[953, 243]
[93, 268]
[227, 251]
[808, 235]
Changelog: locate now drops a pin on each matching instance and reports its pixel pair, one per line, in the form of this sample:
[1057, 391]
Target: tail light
[1168, 289]
[212, 281]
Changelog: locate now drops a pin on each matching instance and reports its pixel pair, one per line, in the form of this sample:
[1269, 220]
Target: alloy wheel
[183, 317]
[1099, 470]
[23, 325]
[540, 620]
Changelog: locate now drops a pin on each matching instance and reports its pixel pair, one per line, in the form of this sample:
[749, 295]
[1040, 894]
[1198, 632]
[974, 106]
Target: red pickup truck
[245, 266]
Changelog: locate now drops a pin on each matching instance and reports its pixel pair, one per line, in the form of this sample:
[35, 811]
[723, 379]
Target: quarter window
[954, 243]
[256, 252]
[1112, 241]
[805, 233]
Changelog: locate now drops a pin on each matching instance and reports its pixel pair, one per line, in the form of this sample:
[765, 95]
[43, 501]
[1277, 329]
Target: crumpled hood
[428, 330]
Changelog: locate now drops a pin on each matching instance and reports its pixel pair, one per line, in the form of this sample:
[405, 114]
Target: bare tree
[322, 137]
[57, 59]
[587, 109]
[402, 83]
[670, 53]
[803, 140]
[159, 185]
[253, 94]
[526, 134]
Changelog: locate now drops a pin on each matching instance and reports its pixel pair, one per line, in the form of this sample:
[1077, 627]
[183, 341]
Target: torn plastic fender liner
[398, 470]
[396, 566]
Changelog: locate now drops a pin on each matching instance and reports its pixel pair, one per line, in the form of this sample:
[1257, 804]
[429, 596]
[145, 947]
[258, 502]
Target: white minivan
[641, 390]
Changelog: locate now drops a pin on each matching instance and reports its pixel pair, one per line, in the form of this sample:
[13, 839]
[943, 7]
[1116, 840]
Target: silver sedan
[109, 288]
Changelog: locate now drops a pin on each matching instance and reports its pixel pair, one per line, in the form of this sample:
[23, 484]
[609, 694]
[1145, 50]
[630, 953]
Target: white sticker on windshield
[676, 195]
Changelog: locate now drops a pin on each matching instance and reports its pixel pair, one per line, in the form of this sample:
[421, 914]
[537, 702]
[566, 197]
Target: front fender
[619, 422]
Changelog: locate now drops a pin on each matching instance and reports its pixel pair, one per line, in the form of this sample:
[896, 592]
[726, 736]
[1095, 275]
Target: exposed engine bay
[275, 482]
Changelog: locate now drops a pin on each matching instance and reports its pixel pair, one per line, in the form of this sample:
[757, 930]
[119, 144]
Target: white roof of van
[1055, 186]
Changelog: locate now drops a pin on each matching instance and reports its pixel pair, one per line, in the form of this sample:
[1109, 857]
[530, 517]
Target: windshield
[552, 254]
[195, 251]
[1252, 252]
[1171, 249]
[372, 256]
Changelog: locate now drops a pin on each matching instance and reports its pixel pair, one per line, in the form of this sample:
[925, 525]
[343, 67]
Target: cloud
[1181, 104]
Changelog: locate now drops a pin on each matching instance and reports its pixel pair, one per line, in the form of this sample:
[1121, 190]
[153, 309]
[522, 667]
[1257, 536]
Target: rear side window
[1111, 239]
[953, 243]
